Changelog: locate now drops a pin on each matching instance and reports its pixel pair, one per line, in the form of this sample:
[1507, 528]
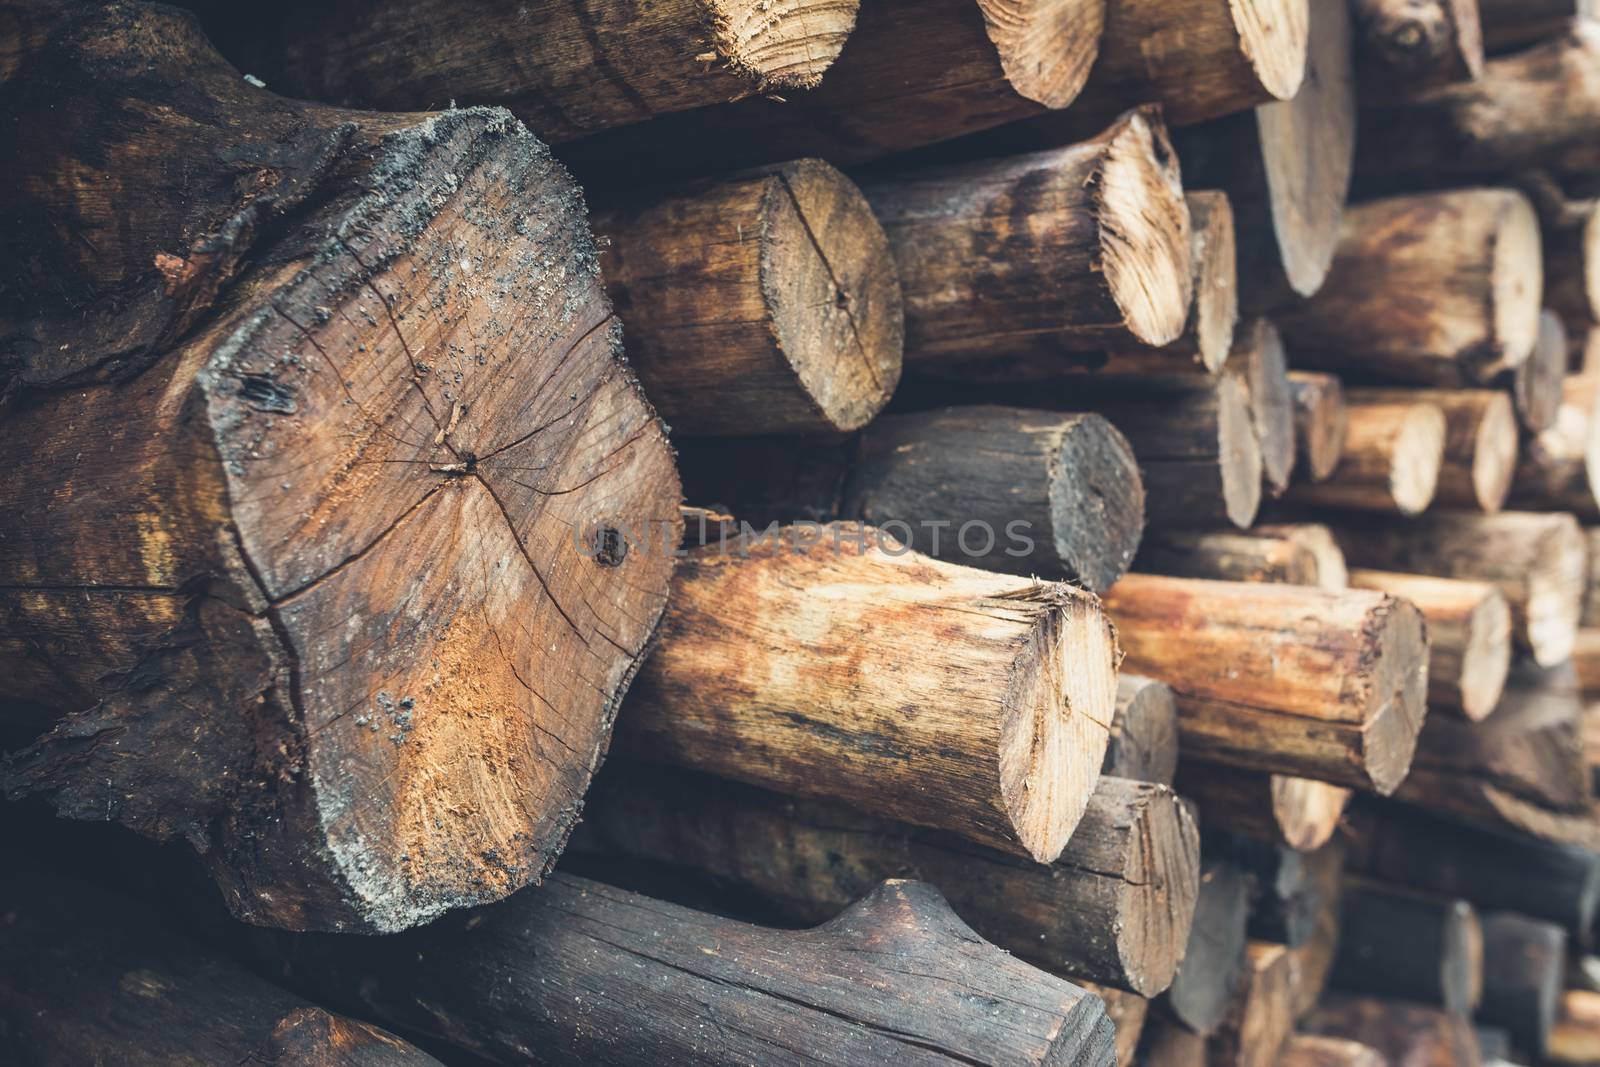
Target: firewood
[1572, 269]
[1259, 1019]
[1536, 385]
[1469, 637]
[1407, 1035]
[1168, 1043]
[1312, 961]
[1524, 961]
[1591, 592]
[1511, 24]
[1290, 887]
[305, 551]
[1284, 679]
[1560, 468]
[1258, 359]
[1300, 813]
[1292, 553]
[86, 977]
[1314, 1050]
[1320, 421]
[1586, 665]
[1114, 908]
[1213, 963]
[1143, 745]
[1403, 46]
[1431, 289]
[1480, 442]
[1575, 1037]
[1538, 561]
[1077, 248]
[1392, 460]
[766, 303]
[580, 972]
[1410, 946]
[1001, 688]
[1127, 1012]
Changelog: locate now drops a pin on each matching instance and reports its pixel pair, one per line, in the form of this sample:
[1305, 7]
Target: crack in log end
[1275, 37]
[781, 44]
[1144, 230]
[1046, 47]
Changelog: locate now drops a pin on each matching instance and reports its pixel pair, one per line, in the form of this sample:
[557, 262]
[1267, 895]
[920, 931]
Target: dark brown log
[1010, 264]
[1127, 1012]
[1300, 813]
[579, 972]
[1538, 561]
[1291, 888]
[1258, 359]
[766, 303]
[1286, 167]
[1409, 946]
[1260, 1017]
[1114, 908]
[1536, 385]
[1512, 24]
[1591, 594]
[1480, 442]
[1213, 963]
[1524, 961]
[1143, 745]
[1168, 1043]
[1403, 46]
[1283, 679]
[1430, 289]
[1408, 1035]
[88, 978]
[1392, 459]
[1572, 268]
[834, 662]
[320, 431]
[1320, 421]
[1469, 637]
[1560, 468]
[1291, 553]
[1314, 1050]
[1313, 961]
[1575, 1038]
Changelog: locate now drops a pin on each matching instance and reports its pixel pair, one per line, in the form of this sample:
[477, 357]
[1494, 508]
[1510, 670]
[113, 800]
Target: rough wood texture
[1392, 459]
[1291, 553]
[765, 303]
[1408, 1035]
[317, 405]
[1114, 908]
[1428, 289]
[1213, 963]
[834, 662]
[1409, 946]
[1511, 24]
[1127, 1012]
[1524, 961]
[1469, 637]
[1575, 1037]
[1029, 257]
[1480, 442]
[1591, 593]
[1286, 166]
[1259, 1018]
[1538, 561]
[1258, 359]
[1320, 421]
[1283, 679]
[87, 978]
[1314, 1050]
[1143, 745]
[1560, 468]
[1403, 46]
[1300, 813]
[1536, 384]
[1572, 267]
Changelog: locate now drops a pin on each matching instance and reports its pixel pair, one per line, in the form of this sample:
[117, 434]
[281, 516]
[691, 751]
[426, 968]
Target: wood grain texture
[1480, 442]
[1259, 1017]
[1127, 1012]
[1320, 422]
[1213, 963]
[1289, 888]
[1392, 458]
[1559, 469]
[1410, 946]
[1143, 745]
[1572, 265]
[1404, 46]
[1292, 553]
[1259, 361]
[1536, 385]
[1299, 813]
[1312, 961]
[1410, 1035]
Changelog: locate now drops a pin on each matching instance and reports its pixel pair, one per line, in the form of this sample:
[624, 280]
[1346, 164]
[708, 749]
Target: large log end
[1046, 47]
[1144, 227]
[1397, 698]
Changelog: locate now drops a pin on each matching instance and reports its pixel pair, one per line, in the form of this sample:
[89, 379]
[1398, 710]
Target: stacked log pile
[1073, 526]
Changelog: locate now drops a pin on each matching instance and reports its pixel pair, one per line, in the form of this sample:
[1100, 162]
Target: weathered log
[1591, 594]
[1403, 46]
[1392, 460]
[1480, 442]
[1213, 962]
[293, 566]
[1586, 667]
[1410, 946]
[1575, 1038]
[1258, 359]
[1469, 637]
[1300, 813]
[1320, 420]
[1030, 257]
[1127, 1012]
[1559, 469]
[579, 972]
[1524, 961]
[1143, 745]
[1572, 269]
[1538, 561]
[765, 303]
[1512, 24]
[1286, 892]
[968, 701]
[1260, 1016]
[1283, 679]
[88, 978]
[1291, 553]
[1315, 1050]
[1536, 385]
[1430, 289]
[1286, 167]
[1312, 961]
[1114, 908]
[1407, 1035]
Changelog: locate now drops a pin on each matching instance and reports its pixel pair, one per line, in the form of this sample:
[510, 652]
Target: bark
[1428, 289]
[1410, 946]
[1406, 1034]
[1282, 679]
[1513, 24]
[1299, 813]
[1392, 460]
[1536, 385]
[1290, 553]
[1575, 1037]
[1011, 266]
[1314, 1050]
[1115, 907]
[1480, 442]
[1127, 1012]
[763, 303]
[1538, 561]
[835, 663]
[1560, 468]
[275, 569]
[1213, 963]
[579, 972]
[1320, 422]
[1259, 1019]
[1404, 46]
[1524, 962]
[1144, 734]
[1258, 359]
[1469, 637]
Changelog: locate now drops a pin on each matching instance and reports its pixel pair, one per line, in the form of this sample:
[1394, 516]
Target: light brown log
[1429, 289]
[1575, 1038]
[1409, 1035]
[1292, 553]
[1143, 745]
[1314, 1050]
[1560, 468]
[1536, 385]
[1511, 24]
[1076, 248]
[1572, 268]
[1260, 1017]
[1538, 561]
[1127, 1012]
[1300, 813]
[1586, 662]
[1392, 459]
[1116, 907]
[766, 303]
[1320, 421]
[1480, 442]
[833, 662]
[1258, 359]
[1524, 961]
[1403, 46]
[1411, 946]
[1469, 637]
[1213, 963]
[327, 433]
[1283, 679]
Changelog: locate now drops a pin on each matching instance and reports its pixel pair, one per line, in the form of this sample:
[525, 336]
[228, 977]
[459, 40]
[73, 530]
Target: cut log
[1403, 46]
[1258, 359]
[1320, 421]
[88, 978]
[1536, 385]
[1290, 553]
[1300, 813]
[1030, 257]
[1127, 1012]
[766, 303]
[579, 972]
[1286, 167]
[1560, 468]
[1260, 1017]
[1312, 961]
[1213, 962]
[1575, 1038]
[1572, 269]
[1143, 745]
[1512, 24]
[1524, 961]
[1409, 946]
[295, 564]
[1291, 888]
[1283, 679]
[1314, 1050]
[1114, 908]
[1586, 666]
[1392, 459]
[1469, 637]
[1431, 289]
[1591, 593]
[968, 701]
[1480, 442]
[1538, 561]
[1407, 1035]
